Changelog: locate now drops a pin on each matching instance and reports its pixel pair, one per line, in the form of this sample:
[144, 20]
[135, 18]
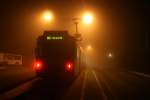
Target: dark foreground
[92, 84]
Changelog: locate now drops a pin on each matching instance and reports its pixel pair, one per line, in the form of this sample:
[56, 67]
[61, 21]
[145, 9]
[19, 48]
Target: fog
[118, 27]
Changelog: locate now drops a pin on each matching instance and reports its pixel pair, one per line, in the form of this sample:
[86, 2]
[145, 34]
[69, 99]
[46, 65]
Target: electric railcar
[58, 56]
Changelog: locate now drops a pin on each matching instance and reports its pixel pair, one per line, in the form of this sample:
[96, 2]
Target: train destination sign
[54, 37]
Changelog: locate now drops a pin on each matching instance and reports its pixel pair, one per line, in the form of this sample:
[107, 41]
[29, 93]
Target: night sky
[122, 26]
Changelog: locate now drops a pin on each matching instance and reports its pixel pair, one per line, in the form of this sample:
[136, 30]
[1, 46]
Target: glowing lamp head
[87, 18]
[89, 47]
[110, 55]
[47, 16]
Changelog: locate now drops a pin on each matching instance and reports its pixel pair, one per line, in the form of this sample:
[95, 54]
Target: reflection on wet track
[92, 85]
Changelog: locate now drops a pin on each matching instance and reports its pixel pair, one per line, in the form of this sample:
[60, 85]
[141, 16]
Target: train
[58, 56]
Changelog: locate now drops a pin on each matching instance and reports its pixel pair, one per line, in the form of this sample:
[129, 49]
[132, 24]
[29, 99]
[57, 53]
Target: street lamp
[87, 18]
[110, 55]
[89, 47]
[47, 16]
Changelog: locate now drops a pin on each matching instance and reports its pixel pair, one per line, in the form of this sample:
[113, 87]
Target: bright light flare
[110, 55]
[47, 16]
[87, 18]
[69, 66]
[89, 47]
[38, 65]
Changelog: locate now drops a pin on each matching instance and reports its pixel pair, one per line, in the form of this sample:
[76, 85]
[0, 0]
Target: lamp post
[78, 38]
[87, 18]
[77, 34]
